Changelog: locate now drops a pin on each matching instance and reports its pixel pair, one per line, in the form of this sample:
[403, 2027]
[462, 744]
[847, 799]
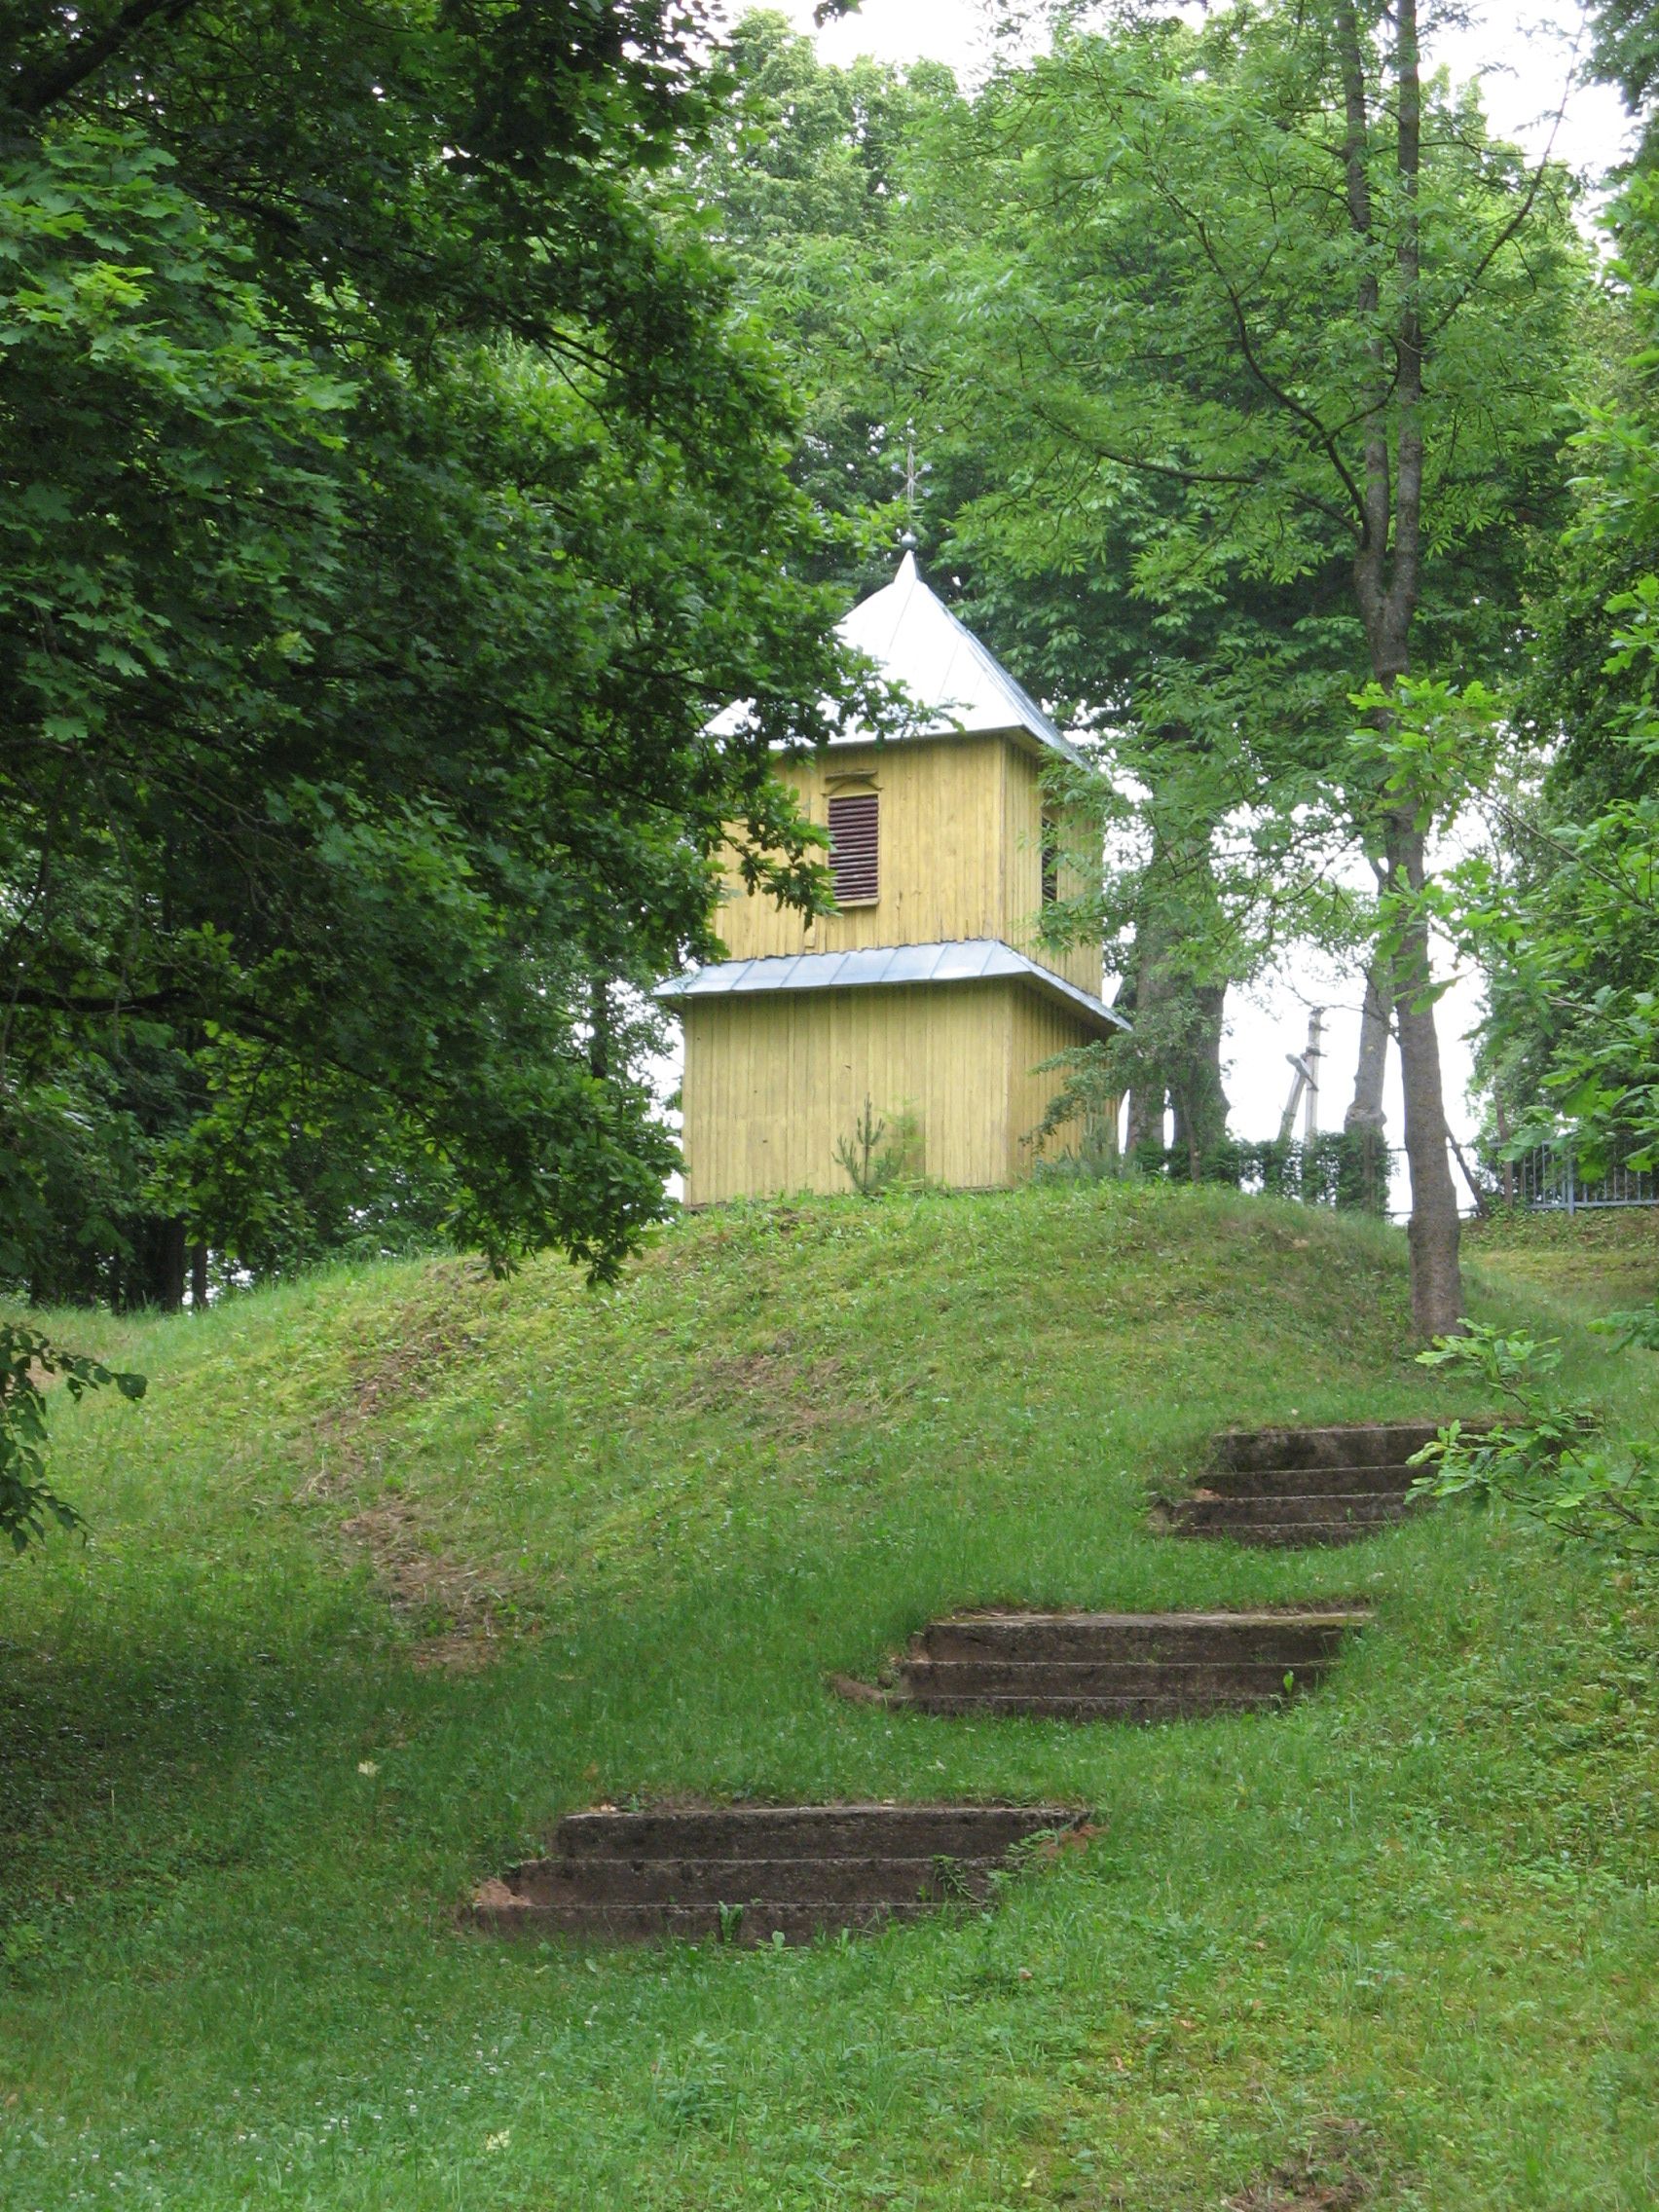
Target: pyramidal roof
[915, 640]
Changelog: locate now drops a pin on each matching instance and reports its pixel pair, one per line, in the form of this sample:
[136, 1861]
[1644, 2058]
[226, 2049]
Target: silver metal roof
[913, 638]
[959, 685]
[970, 960]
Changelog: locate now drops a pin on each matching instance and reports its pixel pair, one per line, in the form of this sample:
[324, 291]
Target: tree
[391, 492]
[1336, 342]
[840, 195]
[1561, 908]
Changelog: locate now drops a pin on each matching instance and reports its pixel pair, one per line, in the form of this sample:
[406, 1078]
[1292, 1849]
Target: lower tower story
[778, 1081]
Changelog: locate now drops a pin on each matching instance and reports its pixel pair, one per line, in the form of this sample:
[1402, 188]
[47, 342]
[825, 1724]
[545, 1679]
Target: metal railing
[1549, 1180]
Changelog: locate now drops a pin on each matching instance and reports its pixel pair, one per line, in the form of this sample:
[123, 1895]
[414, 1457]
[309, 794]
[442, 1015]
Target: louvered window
[855, 848]
[1051, 859]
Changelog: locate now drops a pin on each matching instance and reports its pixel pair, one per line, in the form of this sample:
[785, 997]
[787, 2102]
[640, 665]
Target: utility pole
[1312, 1057]
[1305, 1090]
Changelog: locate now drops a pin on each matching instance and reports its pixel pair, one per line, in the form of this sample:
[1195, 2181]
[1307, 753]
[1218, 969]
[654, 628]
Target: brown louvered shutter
[855, 848]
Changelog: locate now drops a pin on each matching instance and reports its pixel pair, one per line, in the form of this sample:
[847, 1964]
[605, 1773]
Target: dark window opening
[1051, 859]
[855, 848]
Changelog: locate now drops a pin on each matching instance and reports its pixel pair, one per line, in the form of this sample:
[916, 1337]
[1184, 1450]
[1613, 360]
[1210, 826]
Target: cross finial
[908, 537]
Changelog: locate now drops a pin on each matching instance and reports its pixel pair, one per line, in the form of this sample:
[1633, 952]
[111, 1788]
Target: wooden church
[928, 992]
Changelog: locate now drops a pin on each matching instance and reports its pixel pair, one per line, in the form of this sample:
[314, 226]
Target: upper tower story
[941, 836]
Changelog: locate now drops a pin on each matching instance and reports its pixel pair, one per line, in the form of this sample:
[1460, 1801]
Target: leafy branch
[1547, 1456]
[27, 1358]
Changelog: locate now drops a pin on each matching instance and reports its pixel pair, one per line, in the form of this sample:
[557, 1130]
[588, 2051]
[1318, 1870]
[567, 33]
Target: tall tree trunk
[1195, 1089]
[1179, 1018]
[1145, 1128]
[599, 1029]
[172, 1265]
[1149, 1090]
[1387, 581]
[155, 1275]
[198, 1277]
[1435, 1229]
[1365, 1109]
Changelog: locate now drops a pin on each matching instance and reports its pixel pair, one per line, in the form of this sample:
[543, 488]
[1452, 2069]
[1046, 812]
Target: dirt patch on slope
[773, 1386]
[423, 1340]
[462, 1614]
[1332, 2174]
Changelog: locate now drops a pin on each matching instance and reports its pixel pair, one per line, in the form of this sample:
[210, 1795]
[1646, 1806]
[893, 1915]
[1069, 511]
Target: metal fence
[1549, 1180]
[1351, 1170]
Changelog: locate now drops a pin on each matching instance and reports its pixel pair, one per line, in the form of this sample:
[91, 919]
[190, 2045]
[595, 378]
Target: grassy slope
[1416, 1902]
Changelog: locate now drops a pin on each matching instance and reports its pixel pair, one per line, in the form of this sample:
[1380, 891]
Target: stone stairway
[748, 1873]
[1303, 1486]
[1130, 1667]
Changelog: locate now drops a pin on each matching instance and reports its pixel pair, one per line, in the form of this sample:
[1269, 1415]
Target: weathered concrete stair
[1079, 1666]
[748, 1873]
[1304, 1486]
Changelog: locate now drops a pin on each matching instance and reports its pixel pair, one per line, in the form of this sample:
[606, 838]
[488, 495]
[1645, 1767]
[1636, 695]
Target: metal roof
[970, 960]
[913, 638]
[958, 684]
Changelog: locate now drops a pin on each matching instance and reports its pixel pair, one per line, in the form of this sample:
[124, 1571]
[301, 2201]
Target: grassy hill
[397, 1563]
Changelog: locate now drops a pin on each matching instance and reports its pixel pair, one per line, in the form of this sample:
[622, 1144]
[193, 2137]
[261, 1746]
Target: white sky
[1525, 56]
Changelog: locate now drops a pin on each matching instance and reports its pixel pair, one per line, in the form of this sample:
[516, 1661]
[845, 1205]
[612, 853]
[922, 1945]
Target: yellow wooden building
[929, 992]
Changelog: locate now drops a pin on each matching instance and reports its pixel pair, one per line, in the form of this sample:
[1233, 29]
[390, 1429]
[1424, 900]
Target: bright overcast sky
[1526, 57]
[1523, 54]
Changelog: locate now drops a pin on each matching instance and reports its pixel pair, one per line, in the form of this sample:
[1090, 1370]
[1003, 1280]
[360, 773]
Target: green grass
[246, 1779]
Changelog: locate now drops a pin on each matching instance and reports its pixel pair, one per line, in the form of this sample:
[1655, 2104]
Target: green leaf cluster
[28, 1359]
[394, 489]
[1547, 1458]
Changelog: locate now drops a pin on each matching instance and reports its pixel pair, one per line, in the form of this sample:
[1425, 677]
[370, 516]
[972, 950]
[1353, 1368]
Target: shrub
[1548, 1457]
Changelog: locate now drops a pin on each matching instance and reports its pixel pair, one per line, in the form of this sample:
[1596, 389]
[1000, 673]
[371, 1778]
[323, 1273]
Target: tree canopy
[394, 488]
[1241, 357]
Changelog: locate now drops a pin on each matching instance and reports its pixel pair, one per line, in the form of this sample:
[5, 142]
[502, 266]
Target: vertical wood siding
[960, 854]
[1022, 846]
[774, 1079]
[941, 839]
[1040, 1030]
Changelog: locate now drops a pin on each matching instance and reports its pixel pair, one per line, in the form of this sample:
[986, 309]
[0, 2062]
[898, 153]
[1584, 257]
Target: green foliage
[1562, 910]
[393, 496]
[27, 1360]
[1349, 1168]
[810, 176]
[882, 1153]
[1426, 742]
[1118, 303]
[1089, 1099]
[1549, 1457]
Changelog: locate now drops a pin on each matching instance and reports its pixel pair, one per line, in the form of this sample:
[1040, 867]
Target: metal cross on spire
[908, 537]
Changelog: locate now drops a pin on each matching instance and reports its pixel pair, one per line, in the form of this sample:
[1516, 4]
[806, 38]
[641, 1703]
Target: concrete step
[747, 1925]
[1280, 1638]
[1366, 1444]
[1036, 1706]
[1352, 1506]
[1306, 1482]
[747, 1873]
[807, 1831]
[1241, 1678]
[1079, 1666]
[737, 1881]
